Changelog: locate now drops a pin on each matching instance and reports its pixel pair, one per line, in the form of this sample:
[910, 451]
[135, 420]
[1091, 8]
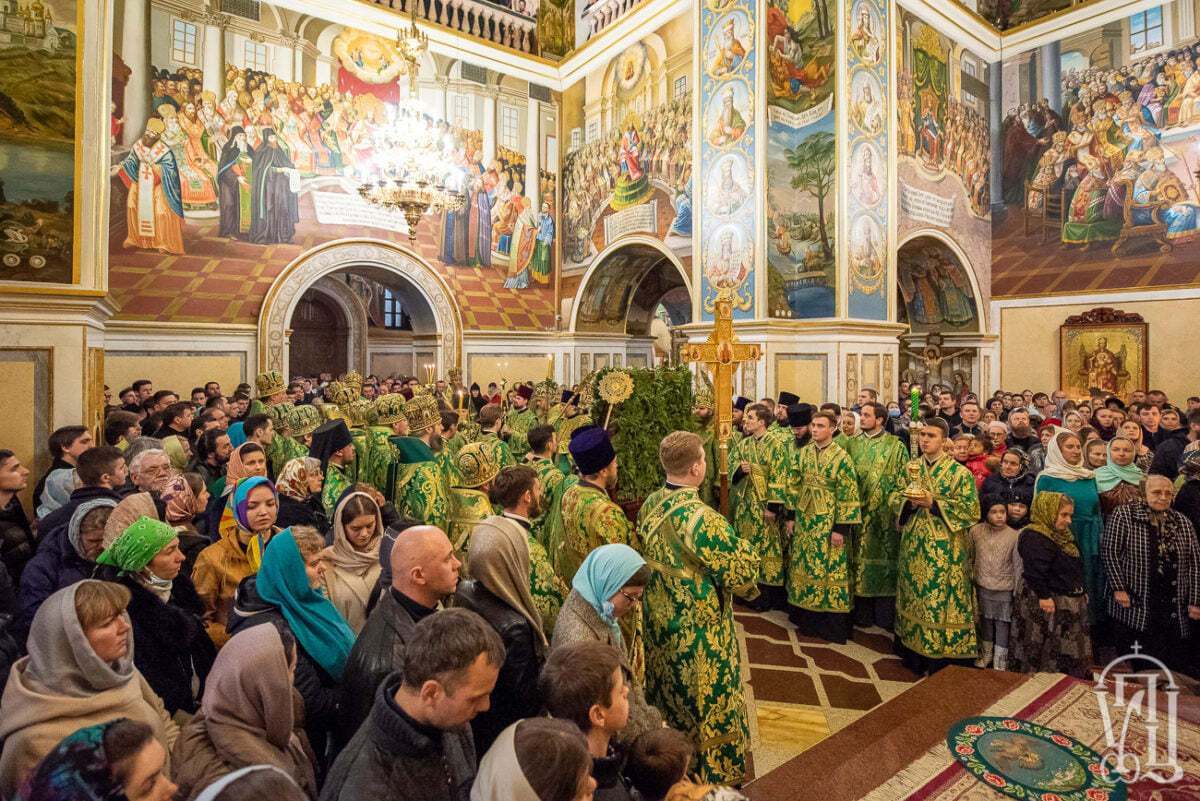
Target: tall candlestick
[549, 365]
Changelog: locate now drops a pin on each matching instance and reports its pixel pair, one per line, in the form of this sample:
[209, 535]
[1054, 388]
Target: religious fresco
[38, 68]
[942, 142]
[627, 161]
[1099, 172]
[935, 291]
[728, 67]
[1005, 14]
[867, 173]
[612, 305]
[802, 156]
[249, 169]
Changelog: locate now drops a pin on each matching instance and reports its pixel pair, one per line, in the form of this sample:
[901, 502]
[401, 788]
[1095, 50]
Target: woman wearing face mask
[173, 650]
[62, 561]
[1119, 481]
[79, 672]
[119, 760]
[238, 553]
[353, 575]
[286, 591]
[609, 585]
[1132, 431]
[299, 486]
[1050, 626]
[246, 717]
[1065, 473]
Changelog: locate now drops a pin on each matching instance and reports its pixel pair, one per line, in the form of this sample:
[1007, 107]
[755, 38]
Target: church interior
[986, 195]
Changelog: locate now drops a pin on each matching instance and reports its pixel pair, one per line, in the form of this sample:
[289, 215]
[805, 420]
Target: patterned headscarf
[140, 543]
[182, 504]
[1044, 514]
[235, 469]
[294, 477]
[76, 770]
[234, 517]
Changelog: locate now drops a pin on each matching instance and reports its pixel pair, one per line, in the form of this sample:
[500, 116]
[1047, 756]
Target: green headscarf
[1112, 474]
[1043, 515]
[137, 545]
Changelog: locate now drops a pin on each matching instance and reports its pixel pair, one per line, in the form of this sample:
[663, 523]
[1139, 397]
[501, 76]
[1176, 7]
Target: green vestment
[419, 490]
[467, 507]
[518, 424]
[879, 463]
[824, 494]
[336, 482]
[749, 497]
[551, 479]
[693, 670]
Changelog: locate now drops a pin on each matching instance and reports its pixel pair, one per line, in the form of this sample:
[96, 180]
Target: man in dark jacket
[1168, 454]
[424, 572]
[416, 744]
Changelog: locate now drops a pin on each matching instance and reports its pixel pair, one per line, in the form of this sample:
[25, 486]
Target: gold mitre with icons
[303, 420]
[269, 383]
[476, 465]
[354, 380]
[422, 413]
[359, 411]
[389, 409]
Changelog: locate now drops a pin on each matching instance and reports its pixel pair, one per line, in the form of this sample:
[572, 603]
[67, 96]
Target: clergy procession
[446, 582]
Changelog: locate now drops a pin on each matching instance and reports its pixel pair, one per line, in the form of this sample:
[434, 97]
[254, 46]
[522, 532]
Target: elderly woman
[997, 434]
[247, 716]
[172, 649]
[353, 575]
[238, 553]
[119, 760]
[1050, 626]
[1065, 473]
[79, 672]
[299, 486]
[1119, 481]
[609, 585]
[1153, 566]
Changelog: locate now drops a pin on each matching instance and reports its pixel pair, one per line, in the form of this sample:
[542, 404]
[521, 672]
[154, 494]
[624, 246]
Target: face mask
[893, 412]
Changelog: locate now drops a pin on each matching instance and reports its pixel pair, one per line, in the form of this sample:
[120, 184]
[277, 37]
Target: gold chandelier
[410, 170]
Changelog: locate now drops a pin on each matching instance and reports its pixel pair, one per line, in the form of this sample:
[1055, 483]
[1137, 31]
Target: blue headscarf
[77, 768]
[601, 576]
[237, 434]
[313, 619]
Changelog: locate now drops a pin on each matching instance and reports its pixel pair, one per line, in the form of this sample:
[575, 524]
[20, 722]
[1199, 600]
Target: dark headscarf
[231, 152]
[327, 440]
[76, 770]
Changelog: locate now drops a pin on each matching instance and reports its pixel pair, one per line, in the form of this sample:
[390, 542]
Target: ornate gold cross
[722, 354]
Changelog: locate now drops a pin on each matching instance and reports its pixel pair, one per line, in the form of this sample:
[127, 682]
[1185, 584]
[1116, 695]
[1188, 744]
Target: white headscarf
[216, 788]
[1057, 464]
[500, 777]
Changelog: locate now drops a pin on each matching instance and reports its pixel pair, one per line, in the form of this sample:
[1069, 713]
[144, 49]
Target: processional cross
[722, 354]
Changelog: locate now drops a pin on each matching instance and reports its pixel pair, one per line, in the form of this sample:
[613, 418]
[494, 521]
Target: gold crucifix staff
[722, 354]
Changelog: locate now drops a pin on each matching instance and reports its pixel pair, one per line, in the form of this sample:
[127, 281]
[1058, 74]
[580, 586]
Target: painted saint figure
[275, 205]
[154, 208]
[234, 177]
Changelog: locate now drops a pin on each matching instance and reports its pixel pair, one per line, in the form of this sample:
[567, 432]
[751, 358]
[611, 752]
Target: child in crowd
[656, 761]
[961, 448]
[979, 459]
[1018, 511]
[997, 567]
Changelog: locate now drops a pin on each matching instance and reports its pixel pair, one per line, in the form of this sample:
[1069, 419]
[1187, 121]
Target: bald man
[423, 571]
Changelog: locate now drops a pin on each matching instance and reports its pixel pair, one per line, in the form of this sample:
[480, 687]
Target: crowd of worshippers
[362, 589]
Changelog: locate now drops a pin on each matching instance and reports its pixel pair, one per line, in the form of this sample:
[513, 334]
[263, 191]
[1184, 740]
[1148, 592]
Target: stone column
[533, 155]
[135, 52]
[1049, 72]
[442, 106]
[214, 53]
[995, 119]
[1185, 22]
[297, 45]
[489, 127]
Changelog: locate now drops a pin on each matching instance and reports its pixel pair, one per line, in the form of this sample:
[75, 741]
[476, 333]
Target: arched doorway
[385, 278]
[320, 335]
[939, 301]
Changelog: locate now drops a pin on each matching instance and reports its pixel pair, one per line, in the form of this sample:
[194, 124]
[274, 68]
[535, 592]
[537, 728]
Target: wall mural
[935, 291]
[728, 64]
[233, 178]
[38, 68]
[867, 141]
[1102, 192]
[1006, 14]
[943, 144]
[635, 176]
[802, 158]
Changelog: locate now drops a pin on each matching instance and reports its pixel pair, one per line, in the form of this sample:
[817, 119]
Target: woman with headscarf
[609, 584]
[499, 592]
[56, 491]
[184, 500]
[353, 575]
[286, 591]
[246, 716]
[1050, 623]
[1011, 477]
[997, 434]
[114, 761]
[79, 672]
[1119, 481]
[1132, 430]
[254, 783]
[53, 568]
[179, 452]
[237, 434]
[173, 650]
[540, 759]
[1065, 473]
[221, 566]
[299, 486]
[245, 461]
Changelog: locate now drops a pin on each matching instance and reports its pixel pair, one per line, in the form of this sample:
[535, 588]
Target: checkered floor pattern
[1024, 265]
[220, 280]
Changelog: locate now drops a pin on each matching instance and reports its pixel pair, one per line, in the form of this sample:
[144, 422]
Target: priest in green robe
[469, 502]
[418, 485]
[333, 446]
[519, 420]
[879, 460]
[693, 670]
[935, 599]
[491, 421]
[567, 419]
[387, 420]
[543, 446]
[702, 416]
[825, 506]
[752, 461]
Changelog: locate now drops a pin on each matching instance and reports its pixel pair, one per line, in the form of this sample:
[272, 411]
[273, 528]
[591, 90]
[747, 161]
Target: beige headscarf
[354, 576]
[499, 560]
[500, 777]
[126, 513]
[1057, 464]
